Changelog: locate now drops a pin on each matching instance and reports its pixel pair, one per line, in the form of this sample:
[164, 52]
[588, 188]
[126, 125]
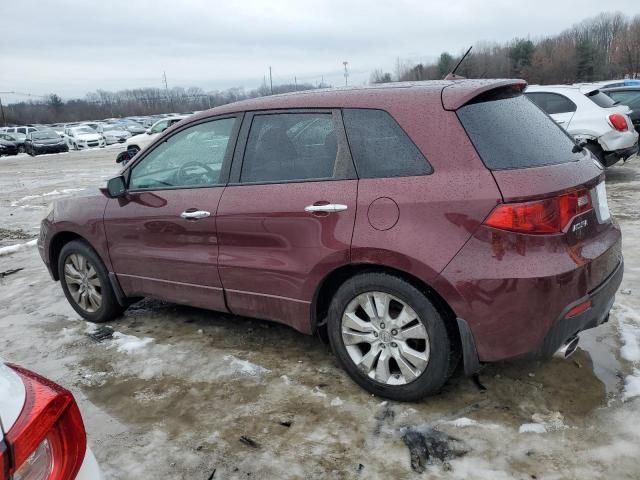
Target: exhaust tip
[568, 348]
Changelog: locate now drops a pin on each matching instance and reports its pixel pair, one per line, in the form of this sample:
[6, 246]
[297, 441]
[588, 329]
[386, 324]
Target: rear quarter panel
[437, 213]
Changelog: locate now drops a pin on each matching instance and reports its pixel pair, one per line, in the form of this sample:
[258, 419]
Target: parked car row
[17, 139]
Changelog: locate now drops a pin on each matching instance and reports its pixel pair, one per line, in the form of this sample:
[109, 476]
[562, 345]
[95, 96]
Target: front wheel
[389, 337]
[85, 283]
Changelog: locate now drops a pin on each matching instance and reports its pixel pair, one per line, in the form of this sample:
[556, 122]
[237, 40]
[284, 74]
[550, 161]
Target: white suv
[591, 117]
[138, 142]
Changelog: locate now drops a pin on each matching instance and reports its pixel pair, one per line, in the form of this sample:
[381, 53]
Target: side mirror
[148, 131]
[123, 157]
[115, 187]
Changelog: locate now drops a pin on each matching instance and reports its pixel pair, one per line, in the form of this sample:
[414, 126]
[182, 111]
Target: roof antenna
[452, 75]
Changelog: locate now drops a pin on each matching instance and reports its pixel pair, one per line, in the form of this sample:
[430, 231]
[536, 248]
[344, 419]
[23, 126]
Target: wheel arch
[333, 281]
[55, 247]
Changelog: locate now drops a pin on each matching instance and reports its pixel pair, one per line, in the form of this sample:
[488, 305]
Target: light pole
[346, 74]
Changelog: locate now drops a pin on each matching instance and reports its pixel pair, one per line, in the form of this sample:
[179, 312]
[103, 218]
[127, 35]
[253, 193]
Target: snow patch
[128, 343]
[632, 385]
[629, 329]
[532, 428]
[336, 402]
[16, 248]
[245, 367]
[64, 191]
[463, 422]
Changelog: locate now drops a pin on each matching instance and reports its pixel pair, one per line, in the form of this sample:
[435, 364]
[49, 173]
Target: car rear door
[162, 234]
[286, 219]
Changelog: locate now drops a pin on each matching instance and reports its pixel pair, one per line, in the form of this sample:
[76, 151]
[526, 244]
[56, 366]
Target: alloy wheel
[385, 338]
[83, 282]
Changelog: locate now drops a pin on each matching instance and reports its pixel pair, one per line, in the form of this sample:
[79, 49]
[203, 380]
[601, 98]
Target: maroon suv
[412, 224]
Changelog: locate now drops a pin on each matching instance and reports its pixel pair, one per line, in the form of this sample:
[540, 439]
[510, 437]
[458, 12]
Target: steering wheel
[187, 176]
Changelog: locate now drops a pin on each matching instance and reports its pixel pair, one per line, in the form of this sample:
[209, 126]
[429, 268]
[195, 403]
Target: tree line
[600, 48]
[603, 47]
[103, 104]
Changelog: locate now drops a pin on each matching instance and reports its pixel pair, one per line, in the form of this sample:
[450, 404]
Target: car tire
[20, 149]
[415, 359]
[85, 283]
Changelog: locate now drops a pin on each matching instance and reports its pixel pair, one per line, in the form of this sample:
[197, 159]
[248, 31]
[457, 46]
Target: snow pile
[463, 422]
[632, 385]
[129, 343]
[15, 248]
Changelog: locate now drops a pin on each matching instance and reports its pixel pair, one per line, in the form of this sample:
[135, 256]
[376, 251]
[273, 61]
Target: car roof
[454, 94]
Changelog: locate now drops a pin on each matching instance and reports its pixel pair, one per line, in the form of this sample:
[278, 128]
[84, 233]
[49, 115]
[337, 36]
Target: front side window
[380, 147]
[290, 146]
[192, 157]
[552, 103]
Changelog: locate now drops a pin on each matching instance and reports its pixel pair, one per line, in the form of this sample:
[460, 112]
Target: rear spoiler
[460, 93]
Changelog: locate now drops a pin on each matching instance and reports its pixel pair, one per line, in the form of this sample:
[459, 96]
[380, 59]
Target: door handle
[329, 208]
[194, 215]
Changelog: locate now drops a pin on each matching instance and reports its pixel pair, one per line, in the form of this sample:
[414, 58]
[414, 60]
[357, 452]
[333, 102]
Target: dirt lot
[177, 392]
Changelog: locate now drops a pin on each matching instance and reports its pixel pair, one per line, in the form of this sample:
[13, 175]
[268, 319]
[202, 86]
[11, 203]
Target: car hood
[12, 396]
[47, 141]
[7, 142]
[88, 136]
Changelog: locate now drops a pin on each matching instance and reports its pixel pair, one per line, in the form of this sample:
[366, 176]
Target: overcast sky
[72, 47]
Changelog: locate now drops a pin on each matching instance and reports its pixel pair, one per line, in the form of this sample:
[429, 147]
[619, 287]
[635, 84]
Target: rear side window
[601, 99]
[552, 103]
[285, 147]
[509, 132]
[630, 99]
[380, 148]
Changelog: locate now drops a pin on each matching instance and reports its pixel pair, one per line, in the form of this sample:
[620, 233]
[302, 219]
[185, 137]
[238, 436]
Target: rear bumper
[564, 328]
[513, 291]
[611, 158]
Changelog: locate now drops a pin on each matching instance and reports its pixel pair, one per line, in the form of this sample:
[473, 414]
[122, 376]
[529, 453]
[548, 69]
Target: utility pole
[295, 82]
[4, 122]
[166, 89]
[346, 74]
[270, 80]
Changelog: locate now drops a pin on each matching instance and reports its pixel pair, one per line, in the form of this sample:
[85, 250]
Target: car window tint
[380, 148]
[552, 103]
[509, 131]
[191, 157]
[631, 99]
[290, 146]
[601, 99]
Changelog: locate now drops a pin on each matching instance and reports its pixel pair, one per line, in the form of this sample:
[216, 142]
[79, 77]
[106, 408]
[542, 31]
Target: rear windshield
[509, 132]
[601, 99]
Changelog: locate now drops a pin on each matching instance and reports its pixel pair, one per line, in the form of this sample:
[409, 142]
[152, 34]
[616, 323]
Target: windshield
[82, 130]
[509, 131]
[44, 135]
[630, 98]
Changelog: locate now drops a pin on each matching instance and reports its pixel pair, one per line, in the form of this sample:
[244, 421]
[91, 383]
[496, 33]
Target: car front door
[286, 219]
[162, 234]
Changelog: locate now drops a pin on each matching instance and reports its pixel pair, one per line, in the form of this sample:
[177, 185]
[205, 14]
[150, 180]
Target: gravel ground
[176, 392]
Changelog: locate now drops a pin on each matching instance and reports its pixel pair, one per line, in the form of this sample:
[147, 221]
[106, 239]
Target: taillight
[619, 122]
[48, 440]
[549, 215]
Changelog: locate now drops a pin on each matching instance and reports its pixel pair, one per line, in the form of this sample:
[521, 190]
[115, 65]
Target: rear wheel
[389, 337]
[85, 283]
